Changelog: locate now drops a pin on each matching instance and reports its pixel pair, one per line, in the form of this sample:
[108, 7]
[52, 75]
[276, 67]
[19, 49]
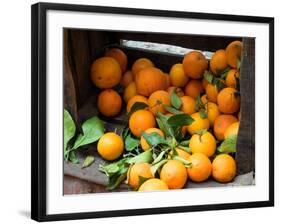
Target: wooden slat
[70, 98]
[245, 155]
[206, 43]
[82, 62]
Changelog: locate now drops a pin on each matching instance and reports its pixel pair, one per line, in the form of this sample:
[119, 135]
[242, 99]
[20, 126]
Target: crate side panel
[245, 156]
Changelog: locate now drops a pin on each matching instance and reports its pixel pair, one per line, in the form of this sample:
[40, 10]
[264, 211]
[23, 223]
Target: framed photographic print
[138, 111]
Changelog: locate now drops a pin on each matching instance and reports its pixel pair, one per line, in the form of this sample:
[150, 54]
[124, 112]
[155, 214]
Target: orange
[218, 62]
[233, 53]
[177, 76]
[179, 91]
[228, 100]
[194, 64]
[153, 184]
[231, 76]
[223, 168]
[119, 56]
[130, 91]
[198, 123]
[140, 64]
[188, 105]
[174, 174]
[105, 72]
[204, 83]
[201, 167]
[212, 92]
[221, 123]
[109, 109]
[110, 146]
[204, 99]
[127, 78]
[193, 88]
[205, 143]
[135, 99]
[144, 145]
[136, 171]
[157, 100]
[212, 112]
[149, 80]
[140, 121]
[232, 130]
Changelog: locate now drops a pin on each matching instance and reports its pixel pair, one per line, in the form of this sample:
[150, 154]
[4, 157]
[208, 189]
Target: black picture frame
[39, 122]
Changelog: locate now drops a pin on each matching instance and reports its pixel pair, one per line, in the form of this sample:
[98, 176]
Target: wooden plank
[82, 62]
[69, 90]
[245, 155]
[205, 43]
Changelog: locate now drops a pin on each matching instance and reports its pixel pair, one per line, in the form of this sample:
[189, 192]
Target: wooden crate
[82, 47]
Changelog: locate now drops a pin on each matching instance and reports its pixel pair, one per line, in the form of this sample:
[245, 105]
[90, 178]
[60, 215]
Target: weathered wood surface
[80, 53]
[199, 42]
[245, 155]
[69, 91]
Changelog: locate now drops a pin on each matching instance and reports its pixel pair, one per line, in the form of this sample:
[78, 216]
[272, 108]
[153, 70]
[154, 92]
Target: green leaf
[137, 106]
[144, 157]
[159, 157]
[219, 84]
[175, 100]
[154, 139]
[156, 166]
[185, 162]
[93, 129]
[203, 114]
[112, 168]
[185, 143]
[68, 128]
[163, 124]
[185, 148]
[238, 63]
[88, 161]
[228, 145]
[172, 110]
[199, 104]
[180, 120]
[131, 142]
[208, 76]
[223, 74]
[73, 157]
[117, 179]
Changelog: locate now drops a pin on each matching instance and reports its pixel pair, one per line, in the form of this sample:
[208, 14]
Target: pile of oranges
[208, 92]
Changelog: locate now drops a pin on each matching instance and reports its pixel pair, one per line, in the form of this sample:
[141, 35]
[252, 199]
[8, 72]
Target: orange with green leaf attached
[199, 122]
[203, 142]
[137, 171]
[144, 145]
[157, 100]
